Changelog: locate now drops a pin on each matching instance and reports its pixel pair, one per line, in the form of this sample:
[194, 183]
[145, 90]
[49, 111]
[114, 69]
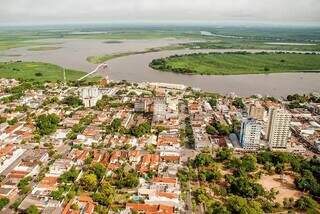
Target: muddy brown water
[136, 68]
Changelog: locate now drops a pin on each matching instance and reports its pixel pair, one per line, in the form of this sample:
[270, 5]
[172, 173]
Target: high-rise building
[257, 111]
[90, 96]
[278, 128]
[159, 110]
[250, 134]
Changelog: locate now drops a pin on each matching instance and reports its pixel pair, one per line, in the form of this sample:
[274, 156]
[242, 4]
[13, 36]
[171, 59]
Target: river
[73, 54]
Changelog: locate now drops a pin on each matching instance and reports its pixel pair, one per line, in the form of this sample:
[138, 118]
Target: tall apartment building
[278, 128]
[90, 96]
[159, 110]
[257, 111]
[250, 134]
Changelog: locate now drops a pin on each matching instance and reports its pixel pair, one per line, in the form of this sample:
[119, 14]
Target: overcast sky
[59, 11]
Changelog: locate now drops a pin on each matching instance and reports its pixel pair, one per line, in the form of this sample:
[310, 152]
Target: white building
[159, 110]
[250, 134]
[279, 128]
[90, 96]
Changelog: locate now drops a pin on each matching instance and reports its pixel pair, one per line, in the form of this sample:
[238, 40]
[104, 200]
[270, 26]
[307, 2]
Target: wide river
[73, 54]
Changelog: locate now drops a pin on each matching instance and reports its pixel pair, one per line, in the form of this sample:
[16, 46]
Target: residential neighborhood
[149, 148]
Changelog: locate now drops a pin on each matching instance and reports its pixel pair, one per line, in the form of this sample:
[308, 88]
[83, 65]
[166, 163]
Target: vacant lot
[238, 63]
[285, 186]
[37, 71]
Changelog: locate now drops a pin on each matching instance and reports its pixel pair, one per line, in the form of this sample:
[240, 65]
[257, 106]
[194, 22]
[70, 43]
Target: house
[85, 203]
[150, 209]
[149, 162]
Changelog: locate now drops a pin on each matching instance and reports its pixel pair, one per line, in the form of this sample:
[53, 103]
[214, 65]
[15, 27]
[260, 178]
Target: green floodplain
[238, 63]
[218, 37]
[38, 71]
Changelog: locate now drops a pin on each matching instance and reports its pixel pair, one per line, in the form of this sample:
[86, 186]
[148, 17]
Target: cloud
[159, 10]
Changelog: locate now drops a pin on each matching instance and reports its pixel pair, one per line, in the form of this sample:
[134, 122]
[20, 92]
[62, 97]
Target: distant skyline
[73, 11]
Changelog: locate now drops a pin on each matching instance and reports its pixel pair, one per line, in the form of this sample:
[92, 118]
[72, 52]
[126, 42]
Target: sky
[62, 11]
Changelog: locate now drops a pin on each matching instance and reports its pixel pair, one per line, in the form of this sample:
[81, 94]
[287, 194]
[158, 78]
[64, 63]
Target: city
[159, 107]
[121, 147]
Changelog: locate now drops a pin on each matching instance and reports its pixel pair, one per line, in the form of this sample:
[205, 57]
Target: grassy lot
[106, 57]
[44, 48]
[238, 63]
[37, 71]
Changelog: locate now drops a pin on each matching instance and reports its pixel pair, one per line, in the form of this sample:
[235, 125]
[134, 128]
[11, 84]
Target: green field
[250, 44]
[37, 71]
[238, 63]
[222, 37]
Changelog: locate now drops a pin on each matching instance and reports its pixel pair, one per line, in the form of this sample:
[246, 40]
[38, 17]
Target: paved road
[188, 200]
[14, 164]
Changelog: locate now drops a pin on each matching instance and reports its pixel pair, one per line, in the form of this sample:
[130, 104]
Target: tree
[98, 169]
[2, 119]
[128, 179]
[211, 130]
[209, 174]
[239, 205]
[307, 181]
[32, 210]
[69, 176]
[72, 101]
[105, 195]
[213, 102]
[47, 123]
[238, 103]
[248, 163]
[58, 194]
[305, 203]
[288, 203]
[3, 202]
[203, 159]
[89, 182]
[216, 207]
[23, 184]
[13, 121]
[244, 187]
[116, 124]
[142, 129]
[224, 154]
[200, 196]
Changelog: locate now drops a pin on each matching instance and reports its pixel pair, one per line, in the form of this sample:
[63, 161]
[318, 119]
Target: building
[90, 96]
[257, 111]
[250, 134]
[140, 105]
[159, 110]
[278, 128]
